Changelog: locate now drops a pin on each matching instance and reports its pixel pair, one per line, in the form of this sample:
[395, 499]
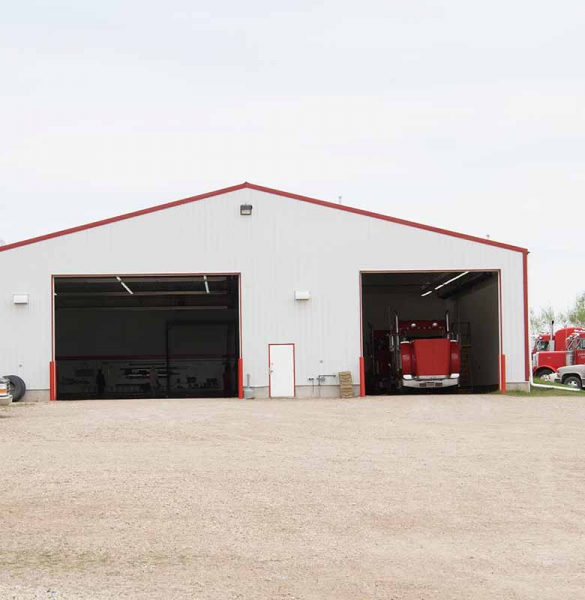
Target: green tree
[576, 313]
[540, 320]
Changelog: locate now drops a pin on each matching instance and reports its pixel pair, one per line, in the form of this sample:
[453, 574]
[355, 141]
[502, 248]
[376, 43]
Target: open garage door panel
[460, 306]
[147, 336]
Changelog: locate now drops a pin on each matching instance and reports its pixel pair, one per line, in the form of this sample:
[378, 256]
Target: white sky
[464, 114]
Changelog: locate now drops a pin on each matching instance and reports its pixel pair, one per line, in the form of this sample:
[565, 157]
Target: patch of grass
[553, 383]
[540, 392]
[555, 389]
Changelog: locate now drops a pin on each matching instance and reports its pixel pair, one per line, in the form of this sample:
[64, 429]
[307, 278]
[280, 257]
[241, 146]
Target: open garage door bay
[438, 329]
[123, 336]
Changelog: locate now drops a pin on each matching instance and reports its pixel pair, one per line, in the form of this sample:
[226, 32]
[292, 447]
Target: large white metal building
[197, 297]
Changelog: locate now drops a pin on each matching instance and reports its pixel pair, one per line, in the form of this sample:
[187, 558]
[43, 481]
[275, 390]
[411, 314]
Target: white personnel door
[281, 359]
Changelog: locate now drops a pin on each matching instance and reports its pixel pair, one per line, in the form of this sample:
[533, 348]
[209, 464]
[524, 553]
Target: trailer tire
[573, 381]
[542, 372]
[17, 387]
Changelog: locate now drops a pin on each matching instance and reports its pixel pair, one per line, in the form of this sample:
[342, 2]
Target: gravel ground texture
[385, 498]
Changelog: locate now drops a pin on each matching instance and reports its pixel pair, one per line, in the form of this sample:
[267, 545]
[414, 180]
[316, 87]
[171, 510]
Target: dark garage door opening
[425, 305]
[147, 336]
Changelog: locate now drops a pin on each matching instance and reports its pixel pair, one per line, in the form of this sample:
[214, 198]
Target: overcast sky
[464, 114]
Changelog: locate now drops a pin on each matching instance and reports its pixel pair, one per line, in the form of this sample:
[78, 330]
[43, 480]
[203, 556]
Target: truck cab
[572, 352]
[427, 357]
[542, 341]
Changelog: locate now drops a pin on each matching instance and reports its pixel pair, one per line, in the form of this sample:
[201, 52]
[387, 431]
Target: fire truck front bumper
[430, 382]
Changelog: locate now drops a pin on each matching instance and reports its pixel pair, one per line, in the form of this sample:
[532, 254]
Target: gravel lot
[414, 497]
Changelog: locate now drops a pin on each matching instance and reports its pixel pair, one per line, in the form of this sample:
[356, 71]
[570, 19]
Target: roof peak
[260, 188]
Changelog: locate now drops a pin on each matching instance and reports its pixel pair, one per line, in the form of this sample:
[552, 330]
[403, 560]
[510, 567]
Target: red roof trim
[260, 188]
[367, 213]
[130, 215]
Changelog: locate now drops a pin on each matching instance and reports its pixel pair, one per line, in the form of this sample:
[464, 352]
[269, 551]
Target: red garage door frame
[501, 356]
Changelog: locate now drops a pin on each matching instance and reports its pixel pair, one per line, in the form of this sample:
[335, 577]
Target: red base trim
[503, 373]
[240, 378]
[362, 378]
[52, 381]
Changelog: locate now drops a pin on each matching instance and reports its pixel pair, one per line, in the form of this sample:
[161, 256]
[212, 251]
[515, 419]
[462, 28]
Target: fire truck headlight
[454, 375]
[407, 376]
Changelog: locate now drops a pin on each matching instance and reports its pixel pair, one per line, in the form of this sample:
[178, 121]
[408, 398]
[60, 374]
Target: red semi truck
[542, 342]
[419, 354]
[566, 348]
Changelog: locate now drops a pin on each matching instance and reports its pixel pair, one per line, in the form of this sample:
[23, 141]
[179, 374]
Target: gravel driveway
[412, 497]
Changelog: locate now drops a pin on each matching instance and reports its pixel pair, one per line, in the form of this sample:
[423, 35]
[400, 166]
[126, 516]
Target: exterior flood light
[20, 299]
[302, 295]
[245, 209]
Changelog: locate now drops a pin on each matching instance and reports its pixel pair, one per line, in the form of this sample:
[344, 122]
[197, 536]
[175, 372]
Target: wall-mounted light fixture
[20, 299]
[302, 295]
[245, 210]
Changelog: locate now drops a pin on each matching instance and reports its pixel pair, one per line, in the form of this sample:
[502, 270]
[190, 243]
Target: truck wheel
[543, 372]
[17, 387]
[573, 381]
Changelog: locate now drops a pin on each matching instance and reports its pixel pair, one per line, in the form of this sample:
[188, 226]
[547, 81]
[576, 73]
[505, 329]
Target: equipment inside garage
[446, 322]
[147, 336]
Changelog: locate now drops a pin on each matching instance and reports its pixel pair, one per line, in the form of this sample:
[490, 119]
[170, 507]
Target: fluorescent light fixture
[426, 293]
[451, 280]
[125, 286]
[206, 284]
[245, 209]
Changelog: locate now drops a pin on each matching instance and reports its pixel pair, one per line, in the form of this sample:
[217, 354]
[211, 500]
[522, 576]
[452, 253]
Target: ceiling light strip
[125, 286]
[452, 280]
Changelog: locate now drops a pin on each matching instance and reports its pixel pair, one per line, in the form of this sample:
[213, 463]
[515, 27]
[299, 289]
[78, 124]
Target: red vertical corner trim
[526, 320]
[362, 378]
[240, 378]
[52, 380]
[503, 373]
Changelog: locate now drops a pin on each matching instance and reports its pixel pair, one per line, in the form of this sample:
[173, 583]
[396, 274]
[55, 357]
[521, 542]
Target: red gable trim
[259, 188]
[130, 215]
[367, 213]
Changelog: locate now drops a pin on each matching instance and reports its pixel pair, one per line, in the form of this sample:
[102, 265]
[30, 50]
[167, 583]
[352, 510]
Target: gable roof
[267, 190]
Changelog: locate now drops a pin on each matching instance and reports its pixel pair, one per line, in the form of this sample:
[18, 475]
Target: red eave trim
[241, 186]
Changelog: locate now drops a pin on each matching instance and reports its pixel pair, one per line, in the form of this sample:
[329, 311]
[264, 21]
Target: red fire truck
[571, 351]
[418, 354]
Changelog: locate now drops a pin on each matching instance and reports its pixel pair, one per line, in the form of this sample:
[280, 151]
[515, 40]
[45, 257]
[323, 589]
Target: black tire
[17, 387]
[574, 381]
[542, 372]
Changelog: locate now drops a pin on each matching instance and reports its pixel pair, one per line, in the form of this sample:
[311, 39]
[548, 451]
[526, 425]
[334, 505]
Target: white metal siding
[284, 246]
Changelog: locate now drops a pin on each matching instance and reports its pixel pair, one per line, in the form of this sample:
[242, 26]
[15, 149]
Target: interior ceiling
[118, 291]
[422, 282]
